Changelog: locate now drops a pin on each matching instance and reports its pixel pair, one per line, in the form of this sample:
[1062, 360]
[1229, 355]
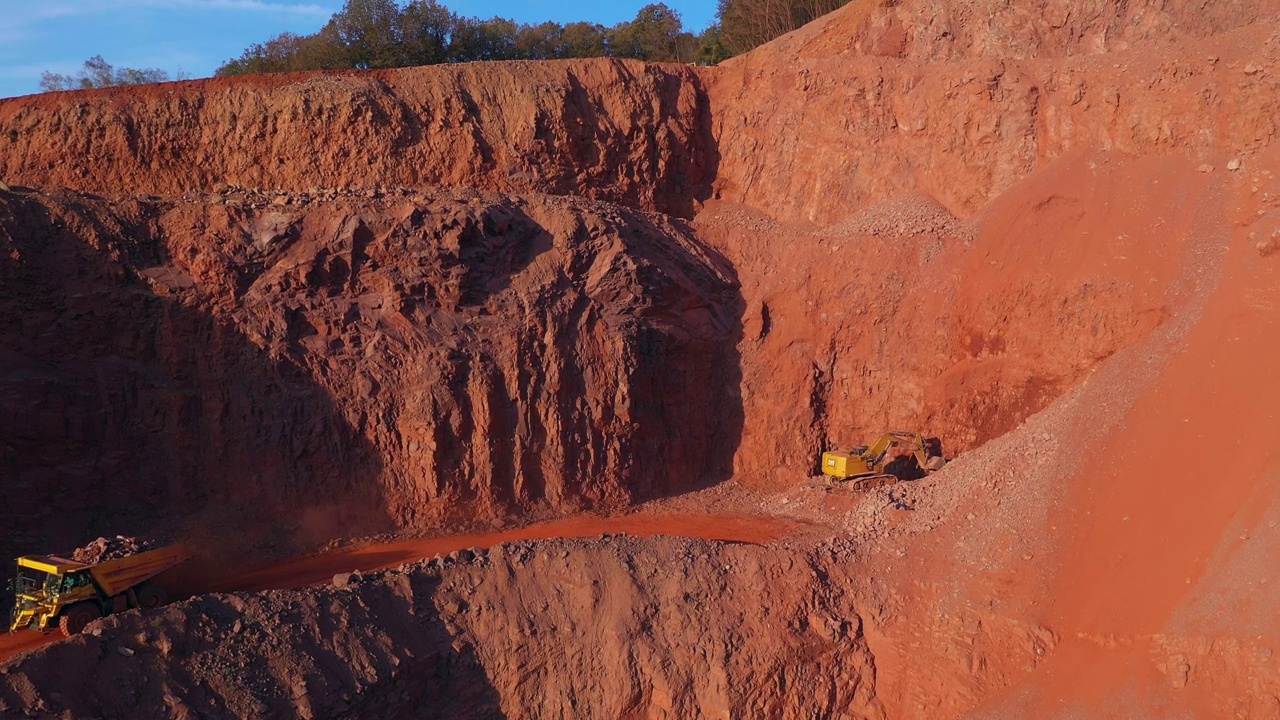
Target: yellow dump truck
[897, 455]
[50, 590]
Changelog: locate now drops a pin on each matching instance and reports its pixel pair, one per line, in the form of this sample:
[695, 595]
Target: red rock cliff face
[125, 405]
[907, 227]
[939, 31]
[905, 317]
[397, 361]
[819, 124]
[609, 129]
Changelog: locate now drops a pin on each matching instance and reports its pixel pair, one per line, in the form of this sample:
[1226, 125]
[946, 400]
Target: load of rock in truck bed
[110, 549]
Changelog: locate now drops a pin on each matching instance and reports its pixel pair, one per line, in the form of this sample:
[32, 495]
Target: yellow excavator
[897, 455]
[53, 591]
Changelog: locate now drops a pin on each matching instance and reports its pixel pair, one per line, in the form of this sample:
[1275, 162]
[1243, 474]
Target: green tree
[583, 40]
[540, 42]
[290, 53]
[383, 34]
[98, 73]
[426, 29]
[492, 39]
[368, 29]
[711, 51]
[651, 36]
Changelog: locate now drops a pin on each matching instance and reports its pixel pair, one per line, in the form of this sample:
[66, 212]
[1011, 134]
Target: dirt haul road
[200, 578]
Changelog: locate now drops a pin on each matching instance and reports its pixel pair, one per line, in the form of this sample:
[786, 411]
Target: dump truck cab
[45, 586]
[49, 590]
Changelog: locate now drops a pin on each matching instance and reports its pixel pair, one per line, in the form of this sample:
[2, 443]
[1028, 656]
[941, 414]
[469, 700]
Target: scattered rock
[127, 652]
[1179, 669]
[341, 580]
[1205, 168]
[1234, 164]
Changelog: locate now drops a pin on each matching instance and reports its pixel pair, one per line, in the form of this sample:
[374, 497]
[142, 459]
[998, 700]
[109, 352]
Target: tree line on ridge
[376, 34]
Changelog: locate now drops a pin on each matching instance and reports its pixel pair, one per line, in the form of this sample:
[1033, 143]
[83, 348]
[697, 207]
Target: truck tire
[151, 596]
[77, 616]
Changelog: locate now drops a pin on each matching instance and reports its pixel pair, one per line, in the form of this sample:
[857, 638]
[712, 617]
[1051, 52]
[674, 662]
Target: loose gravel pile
[909, 215]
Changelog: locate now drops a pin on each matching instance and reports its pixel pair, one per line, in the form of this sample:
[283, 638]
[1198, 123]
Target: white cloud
[29, 13]
[263, 5]
[26, 16]
[169, 34]
[32, 72]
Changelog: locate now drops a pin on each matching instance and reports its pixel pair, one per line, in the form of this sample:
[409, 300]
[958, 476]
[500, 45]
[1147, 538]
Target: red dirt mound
[925, 31]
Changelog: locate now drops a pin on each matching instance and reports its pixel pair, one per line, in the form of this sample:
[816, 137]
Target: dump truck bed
[117, 576]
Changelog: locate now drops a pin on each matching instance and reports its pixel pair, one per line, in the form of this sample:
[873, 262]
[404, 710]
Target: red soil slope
[609, 628]
[816, 125]
[998, 542]
[1167, 568]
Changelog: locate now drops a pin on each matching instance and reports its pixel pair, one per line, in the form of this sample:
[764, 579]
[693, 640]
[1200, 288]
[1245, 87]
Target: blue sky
[196, 36]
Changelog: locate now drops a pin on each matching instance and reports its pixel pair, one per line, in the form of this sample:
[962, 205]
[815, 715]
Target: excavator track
[870, 482]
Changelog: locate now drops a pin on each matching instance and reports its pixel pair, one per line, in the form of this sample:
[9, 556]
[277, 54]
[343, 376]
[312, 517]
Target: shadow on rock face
[265, 377]
[688, 378]
[127, 404]
[590, 358]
